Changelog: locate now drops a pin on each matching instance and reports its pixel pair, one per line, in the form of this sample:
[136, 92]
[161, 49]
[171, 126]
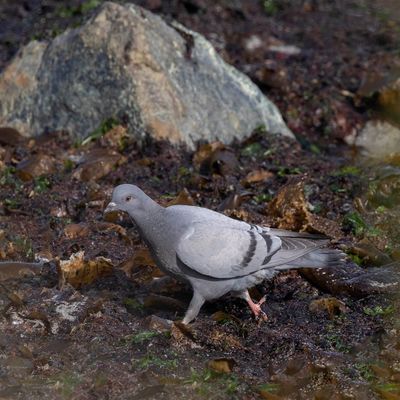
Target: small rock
[215, 158]
[141, 258]
[167, 285]
[110, 227]
[70, 311]
[94, 191]
[289, 210]
[15, 270]
[224, 365]
[205, 151]
[73, 231]
[25, 351]
[157, 324]
[16, 299]
[331, 305]
[269, 75]
[114, 216]
[370, 254]
[96, 164]
[96, 204]
[164, 303]
[35, 166]
[259, 175]
[40, 316]
[233, 201]
[115, 137]
[183, 198]
[77, 271]
[183, 336]
[44, 255]
[289, 207]
[10, 136]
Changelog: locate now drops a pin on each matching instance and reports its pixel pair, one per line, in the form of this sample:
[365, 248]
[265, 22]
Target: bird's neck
[148, 220]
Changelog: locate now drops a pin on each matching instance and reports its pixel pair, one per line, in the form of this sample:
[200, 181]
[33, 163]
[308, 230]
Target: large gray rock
[128, 63]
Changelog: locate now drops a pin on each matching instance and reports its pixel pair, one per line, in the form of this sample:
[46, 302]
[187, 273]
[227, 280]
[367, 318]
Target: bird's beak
[111, 207]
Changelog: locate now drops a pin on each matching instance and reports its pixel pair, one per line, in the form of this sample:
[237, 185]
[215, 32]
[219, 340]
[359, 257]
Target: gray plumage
[214, 253]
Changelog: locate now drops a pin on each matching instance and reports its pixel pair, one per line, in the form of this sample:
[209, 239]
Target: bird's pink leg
[256, 307]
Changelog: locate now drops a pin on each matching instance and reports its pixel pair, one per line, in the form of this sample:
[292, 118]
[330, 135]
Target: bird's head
[129, 198]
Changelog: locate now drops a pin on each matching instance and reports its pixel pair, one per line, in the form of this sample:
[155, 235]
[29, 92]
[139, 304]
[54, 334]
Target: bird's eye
[128, 198]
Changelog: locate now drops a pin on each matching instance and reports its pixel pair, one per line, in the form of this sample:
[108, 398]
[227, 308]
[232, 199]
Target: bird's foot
[256, 309]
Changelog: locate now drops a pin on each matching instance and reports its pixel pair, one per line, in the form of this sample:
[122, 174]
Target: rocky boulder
[129, 64]
[378, 139]
[355, 281]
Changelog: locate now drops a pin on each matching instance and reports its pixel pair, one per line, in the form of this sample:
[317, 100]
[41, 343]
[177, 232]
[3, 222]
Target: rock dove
[217, 254]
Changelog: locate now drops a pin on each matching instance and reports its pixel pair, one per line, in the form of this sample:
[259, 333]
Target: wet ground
[95, 332]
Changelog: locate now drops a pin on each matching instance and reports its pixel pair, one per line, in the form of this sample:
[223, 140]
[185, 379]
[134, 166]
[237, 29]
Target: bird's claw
[262, 316]
[257, 311]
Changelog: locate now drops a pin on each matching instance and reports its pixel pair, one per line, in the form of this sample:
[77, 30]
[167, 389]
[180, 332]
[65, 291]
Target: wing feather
[293, 248]
[225, 252]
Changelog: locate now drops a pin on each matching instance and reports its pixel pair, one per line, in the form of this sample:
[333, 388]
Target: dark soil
[96, 341]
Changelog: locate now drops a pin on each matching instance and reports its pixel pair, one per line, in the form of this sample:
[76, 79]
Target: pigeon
[217, 254]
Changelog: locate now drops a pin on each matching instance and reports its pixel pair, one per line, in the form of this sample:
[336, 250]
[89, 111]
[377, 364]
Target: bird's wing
[295, 246]
[305, 235]
[225, 252]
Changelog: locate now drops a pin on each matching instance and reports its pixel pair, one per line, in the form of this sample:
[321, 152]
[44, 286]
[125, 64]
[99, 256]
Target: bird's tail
[318, 258]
